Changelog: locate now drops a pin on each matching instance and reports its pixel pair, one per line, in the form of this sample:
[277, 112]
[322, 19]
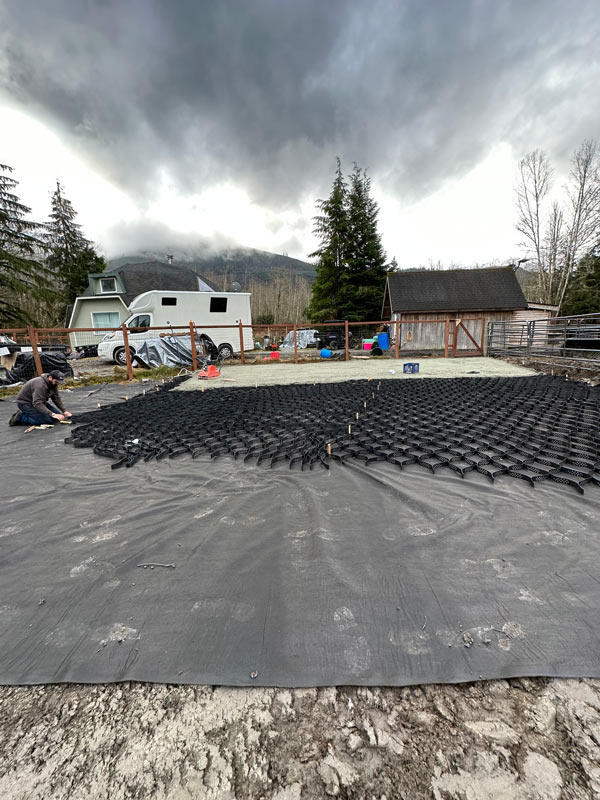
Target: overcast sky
[170, 121]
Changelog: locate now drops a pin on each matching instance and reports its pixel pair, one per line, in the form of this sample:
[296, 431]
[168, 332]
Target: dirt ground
[587, 371]
[498, 740]
[523, 739]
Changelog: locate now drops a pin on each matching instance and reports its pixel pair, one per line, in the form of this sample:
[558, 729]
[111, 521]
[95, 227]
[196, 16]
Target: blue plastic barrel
[325, 353]
[384, 341]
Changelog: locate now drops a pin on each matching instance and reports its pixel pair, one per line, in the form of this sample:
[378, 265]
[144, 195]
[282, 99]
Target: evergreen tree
[351, 262]
[364, 252]
[583, 294]
[331, 226]
[22, 275]
[72, 257]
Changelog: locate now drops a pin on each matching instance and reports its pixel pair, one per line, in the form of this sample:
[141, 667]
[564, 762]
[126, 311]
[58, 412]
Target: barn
[455, 306]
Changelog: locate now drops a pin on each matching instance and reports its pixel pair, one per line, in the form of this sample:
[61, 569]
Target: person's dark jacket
[37, 392]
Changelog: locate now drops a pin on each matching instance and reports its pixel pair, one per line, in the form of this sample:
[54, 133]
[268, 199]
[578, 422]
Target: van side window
[218, 304]
[168, 301]
[141, 321]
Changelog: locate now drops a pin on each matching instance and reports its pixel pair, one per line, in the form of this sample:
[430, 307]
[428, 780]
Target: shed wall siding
[429, 335]
[519, 336]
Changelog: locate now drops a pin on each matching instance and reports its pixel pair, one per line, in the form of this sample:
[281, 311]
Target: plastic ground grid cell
[535, 429]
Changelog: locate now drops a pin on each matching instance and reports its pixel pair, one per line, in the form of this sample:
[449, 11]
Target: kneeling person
[33, 401]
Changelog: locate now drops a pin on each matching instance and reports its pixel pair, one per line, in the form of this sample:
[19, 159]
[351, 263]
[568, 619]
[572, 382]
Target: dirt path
[515, 740]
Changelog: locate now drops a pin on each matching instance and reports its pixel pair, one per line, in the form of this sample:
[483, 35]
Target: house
[105, 302]
[473, 296]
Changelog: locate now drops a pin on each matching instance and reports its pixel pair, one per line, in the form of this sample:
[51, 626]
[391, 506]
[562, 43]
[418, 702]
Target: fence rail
[120, 343]
[573, 338]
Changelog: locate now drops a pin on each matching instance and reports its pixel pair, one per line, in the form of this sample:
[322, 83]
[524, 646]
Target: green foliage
[583, 294]
[22, 273]
[265, 319]
[331, 226]
[72, 256]
[351, 261]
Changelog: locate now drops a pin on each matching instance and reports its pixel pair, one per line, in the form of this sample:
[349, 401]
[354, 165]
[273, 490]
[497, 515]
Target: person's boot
[15, 419]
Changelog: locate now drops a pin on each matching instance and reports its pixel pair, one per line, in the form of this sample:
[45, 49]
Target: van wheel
[119, 356]
[225, 351]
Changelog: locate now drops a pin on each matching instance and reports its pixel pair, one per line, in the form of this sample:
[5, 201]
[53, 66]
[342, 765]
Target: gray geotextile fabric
[357, 575]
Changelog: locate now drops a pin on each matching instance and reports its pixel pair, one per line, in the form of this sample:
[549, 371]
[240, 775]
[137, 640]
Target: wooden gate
[462, 341]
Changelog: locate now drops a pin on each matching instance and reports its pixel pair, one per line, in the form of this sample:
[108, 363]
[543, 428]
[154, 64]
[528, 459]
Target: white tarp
[305, 338]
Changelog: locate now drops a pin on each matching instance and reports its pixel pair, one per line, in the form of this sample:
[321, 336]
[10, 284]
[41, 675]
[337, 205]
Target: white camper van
[166, 309]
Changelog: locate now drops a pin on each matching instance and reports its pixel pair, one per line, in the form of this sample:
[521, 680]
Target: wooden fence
[36, 338]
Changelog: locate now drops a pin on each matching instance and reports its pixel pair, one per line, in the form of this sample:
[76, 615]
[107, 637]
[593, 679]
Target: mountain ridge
[234, 264]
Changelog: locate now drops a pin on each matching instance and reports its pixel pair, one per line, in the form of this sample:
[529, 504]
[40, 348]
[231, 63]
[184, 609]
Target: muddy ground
[586, 371]
[519, 740]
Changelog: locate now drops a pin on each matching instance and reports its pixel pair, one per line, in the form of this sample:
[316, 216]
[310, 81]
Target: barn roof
[490, 289]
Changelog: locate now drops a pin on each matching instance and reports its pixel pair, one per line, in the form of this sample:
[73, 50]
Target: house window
[105, 319]
[218, 304]
[108, 285]
[168, 301]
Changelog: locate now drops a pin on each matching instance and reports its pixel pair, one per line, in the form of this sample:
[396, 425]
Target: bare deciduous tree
[557, 237]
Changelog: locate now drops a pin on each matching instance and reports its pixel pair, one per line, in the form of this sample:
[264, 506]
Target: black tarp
[25, 369]
[357, 575]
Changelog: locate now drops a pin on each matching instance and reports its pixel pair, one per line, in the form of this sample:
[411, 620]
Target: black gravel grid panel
[537, 428]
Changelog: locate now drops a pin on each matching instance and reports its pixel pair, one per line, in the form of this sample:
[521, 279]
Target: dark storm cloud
[267, 92]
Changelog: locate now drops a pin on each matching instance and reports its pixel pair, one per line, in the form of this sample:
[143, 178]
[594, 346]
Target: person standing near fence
[33, 401]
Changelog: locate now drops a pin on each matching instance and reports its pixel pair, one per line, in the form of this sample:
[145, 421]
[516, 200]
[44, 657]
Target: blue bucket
[325, 353]
[384, 341]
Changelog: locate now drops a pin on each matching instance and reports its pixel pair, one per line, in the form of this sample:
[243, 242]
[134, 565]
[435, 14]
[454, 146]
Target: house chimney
[169, 258]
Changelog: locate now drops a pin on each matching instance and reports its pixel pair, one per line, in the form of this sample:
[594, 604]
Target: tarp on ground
[357, 575]
[304, 338]
[24, 368]
[172, 351]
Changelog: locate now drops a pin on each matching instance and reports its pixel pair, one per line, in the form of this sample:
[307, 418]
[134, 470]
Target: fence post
[193, 346]
[530, 335]
[295, 343]
[455, 338]
[397, 339]
[483, 348]
[36, 356]
[346, 337]
[127, 352]
[242, 354]
[447, 337]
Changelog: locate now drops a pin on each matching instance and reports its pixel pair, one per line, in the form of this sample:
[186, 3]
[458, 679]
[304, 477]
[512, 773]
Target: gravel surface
[327, 371]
